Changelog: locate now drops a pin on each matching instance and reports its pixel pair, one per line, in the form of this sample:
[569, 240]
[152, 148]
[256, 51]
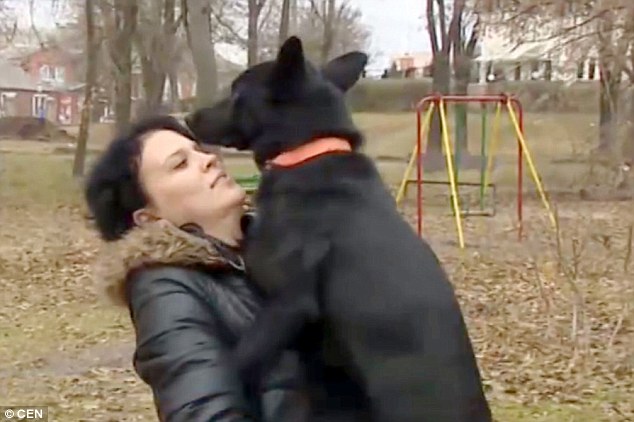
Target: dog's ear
[290, 65]
[344, 71]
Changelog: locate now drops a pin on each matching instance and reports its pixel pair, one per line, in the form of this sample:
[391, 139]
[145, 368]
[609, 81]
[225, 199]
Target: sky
[397, 26]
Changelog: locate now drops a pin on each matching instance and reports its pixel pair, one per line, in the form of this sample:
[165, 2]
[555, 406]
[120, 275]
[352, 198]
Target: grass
[390, 139]
[552, 135]
[393, 135]
[49, 308]
[550, 412]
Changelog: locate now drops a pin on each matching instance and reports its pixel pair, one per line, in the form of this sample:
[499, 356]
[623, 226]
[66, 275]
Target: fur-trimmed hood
[153, 245]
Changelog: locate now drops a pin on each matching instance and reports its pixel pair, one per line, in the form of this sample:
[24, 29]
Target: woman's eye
[181, 164]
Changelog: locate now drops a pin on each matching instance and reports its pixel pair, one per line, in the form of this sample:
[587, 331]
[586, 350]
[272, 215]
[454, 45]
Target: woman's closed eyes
[178, 160]
[181, 164]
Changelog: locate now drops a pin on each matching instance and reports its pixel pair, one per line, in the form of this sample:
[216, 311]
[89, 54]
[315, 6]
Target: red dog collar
[311, 150]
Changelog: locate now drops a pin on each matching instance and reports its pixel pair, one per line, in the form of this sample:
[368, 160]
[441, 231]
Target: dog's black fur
[332, 248]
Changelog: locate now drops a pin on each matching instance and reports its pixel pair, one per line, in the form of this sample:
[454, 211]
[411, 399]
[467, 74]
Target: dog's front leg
[293, 306]
[276, 328]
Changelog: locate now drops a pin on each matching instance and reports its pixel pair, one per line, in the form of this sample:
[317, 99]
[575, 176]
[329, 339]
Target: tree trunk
[440, 85]
[91, 79]
[284, 22]
[441, 72]
[155, 45]
[463, 52]
[252, 32]
[201, 44]
[169, 33]
[329, 30]
[608, 109]
[294, 17]
[627, 150]
[153, 78]
[462, 75]
[175, 104]
[199, 36]
[125, 22]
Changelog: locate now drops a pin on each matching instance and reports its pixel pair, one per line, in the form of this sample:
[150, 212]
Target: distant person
[42, 115]
[385, 74]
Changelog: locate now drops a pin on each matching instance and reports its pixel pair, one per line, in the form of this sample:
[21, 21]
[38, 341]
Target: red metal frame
[481, 99]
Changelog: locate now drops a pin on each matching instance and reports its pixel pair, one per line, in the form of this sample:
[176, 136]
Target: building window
[517, 71]
[535, 70]
[167, 89]
[60, 74]
[6, 103]
[592, 69]
[548, 70]
[45, 72]
[39, 105]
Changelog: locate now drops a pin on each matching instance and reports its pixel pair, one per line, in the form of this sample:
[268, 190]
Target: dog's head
[278, 105]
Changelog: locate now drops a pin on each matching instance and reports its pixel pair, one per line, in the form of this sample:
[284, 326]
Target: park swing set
[486, 163]
[439, 102]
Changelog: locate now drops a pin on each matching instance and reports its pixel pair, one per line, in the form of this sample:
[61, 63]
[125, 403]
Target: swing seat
[472, 205]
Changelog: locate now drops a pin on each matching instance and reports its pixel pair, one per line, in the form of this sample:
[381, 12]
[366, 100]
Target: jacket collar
[158, 244]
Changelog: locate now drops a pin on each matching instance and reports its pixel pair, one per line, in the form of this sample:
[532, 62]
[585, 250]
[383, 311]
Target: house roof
[24, 51]
[16, 51]
[521, 52]
[421, 59]
[13, 76]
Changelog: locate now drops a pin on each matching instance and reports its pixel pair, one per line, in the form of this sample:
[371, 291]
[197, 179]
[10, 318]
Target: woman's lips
[219, 178]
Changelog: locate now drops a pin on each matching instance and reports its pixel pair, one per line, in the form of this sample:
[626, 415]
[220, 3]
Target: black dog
[332, 248]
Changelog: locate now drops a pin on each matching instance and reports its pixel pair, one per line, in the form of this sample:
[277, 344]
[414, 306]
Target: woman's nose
[209, 161]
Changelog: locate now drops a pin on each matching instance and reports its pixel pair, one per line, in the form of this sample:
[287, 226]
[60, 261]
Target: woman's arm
[179, 353]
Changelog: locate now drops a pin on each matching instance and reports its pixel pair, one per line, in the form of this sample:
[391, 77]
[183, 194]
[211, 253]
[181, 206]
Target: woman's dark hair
[113, 190]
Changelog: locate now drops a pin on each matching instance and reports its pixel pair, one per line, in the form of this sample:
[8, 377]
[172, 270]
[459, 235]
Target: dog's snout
[190, 119]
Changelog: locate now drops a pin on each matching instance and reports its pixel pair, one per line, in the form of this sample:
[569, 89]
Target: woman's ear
[143, 216]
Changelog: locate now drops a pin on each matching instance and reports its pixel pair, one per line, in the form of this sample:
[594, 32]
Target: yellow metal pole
[401, 190]
[531, 165]
[495, 135]
[452, 180]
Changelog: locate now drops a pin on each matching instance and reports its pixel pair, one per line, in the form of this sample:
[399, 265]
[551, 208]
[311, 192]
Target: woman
[173, 222]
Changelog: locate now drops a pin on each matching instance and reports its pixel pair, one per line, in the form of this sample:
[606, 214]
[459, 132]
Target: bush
[395, 95]
[554, 96]
[399, 95]
[387, 95]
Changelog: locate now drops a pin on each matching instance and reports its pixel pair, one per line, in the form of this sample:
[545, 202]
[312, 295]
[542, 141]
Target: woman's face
[184, 183]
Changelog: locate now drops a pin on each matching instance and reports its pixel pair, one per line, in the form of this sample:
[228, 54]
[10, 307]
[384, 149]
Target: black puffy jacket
[189, 301]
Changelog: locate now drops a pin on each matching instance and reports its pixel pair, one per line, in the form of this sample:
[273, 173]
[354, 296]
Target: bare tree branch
[442, 20]
[431, 26]
[36, 32]
[229, 27]
[315, 10]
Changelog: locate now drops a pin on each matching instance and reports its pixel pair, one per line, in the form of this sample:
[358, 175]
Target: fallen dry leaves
[550, 324]
[541, 334]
